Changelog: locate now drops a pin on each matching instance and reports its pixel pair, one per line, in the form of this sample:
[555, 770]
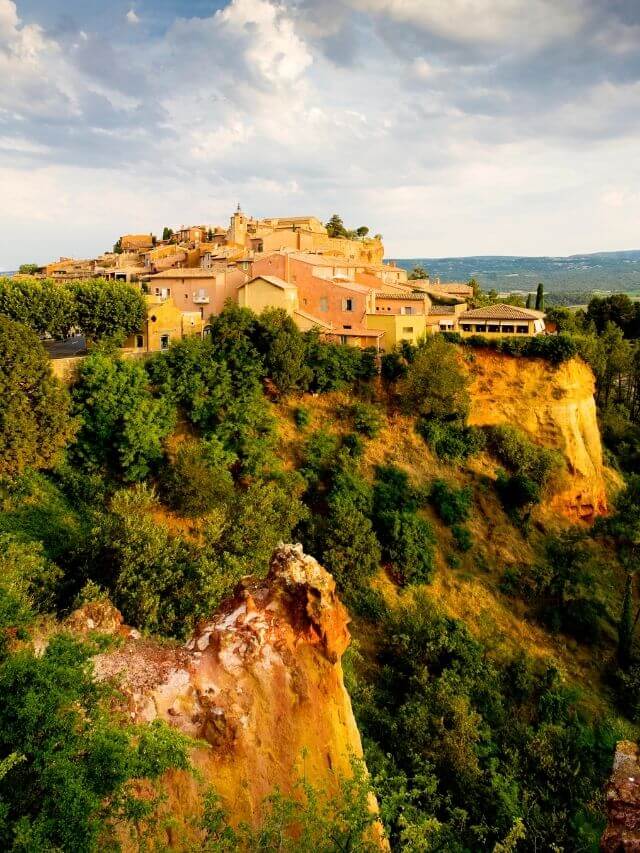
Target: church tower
[238, 228]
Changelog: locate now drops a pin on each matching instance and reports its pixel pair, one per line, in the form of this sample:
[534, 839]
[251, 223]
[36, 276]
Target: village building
[269, 291]
[299, 233]
[165, 324]
[201, 290]
[501, 319]
[136, 242]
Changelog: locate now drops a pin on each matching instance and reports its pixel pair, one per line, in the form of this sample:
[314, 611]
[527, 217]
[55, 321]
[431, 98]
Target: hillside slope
[556, 407]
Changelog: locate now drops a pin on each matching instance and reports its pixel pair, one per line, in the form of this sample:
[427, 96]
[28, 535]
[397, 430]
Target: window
[164, 341]
[324, 303]
[522, 330]
[139, 341]
[347, 304]
[408, 309]
[493, 328]
[481, 327]
[407, 330]
[343, 339]
[466, 327]
[508, 330]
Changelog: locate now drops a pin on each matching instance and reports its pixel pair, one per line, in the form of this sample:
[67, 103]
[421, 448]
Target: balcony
[201, 299]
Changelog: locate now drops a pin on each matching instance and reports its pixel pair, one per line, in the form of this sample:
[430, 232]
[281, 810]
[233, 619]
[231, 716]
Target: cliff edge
[260, 684]
[555, 406]
[623, 801]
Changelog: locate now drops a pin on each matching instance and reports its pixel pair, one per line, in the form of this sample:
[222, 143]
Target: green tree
[362, 231]
[35, 419]
[335, 227]
[123, 425]
[108, 309]
[540, 297]
[44, 305]
[529, 302]
[76, 768]
[418, 273]
[284, 350]
[28, 269]
[435, 385]
[167, 233]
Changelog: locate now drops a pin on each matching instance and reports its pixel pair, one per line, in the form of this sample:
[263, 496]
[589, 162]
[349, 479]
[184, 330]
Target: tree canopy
[35, 420]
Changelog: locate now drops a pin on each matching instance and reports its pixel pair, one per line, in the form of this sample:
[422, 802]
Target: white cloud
[437, 131]
[486, 21]
[132, 17]
[271, 44]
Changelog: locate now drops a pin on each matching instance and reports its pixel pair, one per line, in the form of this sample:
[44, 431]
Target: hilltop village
[324, 277]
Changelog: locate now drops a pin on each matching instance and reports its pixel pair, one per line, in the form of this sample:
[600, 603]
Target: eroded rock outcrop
[623, 801]
[261, 683]
[555, 406]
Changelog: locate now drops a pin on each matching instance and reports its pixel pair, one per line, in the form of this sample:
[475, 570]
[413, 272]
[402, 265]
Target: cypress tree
[529, 300]
[540, 297]
[625, 626]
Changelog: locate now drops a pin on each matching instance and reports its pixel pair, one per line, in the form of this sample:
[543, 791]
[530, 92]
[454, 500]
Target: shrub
[407, 546]
[366, 419]
[393, 366]
[517, 491]
[451, 441]
[302, 416]
[519, 453]
[462, 537]
[392, 491]
[452, 505]
[199, 478]
[350, 550]
[354, 445]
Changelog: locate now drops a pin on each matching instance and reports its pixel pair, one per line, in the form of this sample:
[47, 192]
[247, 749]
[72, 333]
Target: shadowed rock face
[260, 683]
[555, 406]
[623, 801]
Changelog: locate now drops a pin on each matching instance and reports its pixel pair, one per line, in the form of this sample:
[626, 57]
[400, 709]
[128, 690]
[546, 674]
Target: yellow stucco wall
[260, 294]
[395, 328]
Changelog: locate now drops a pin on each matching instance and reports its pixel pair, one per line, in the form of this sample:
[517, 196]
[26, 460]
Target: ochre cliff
[622, 799]
[260, 684]
[555, 406]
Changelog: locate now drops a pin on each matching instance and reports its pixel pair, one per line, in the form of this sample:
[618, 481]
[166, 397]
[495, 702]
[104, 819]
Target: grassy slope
[471, 591]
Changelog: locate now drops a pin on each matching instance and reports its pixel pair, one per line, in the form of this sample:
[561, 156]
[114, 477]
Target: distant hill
[575, 274]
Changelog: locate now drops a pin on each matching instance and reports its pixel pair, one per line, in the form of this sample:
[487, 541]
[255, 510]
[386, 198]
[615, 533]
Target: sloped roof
[501, 311]
[313, 319]
[193, 272]
[271, 279]
[454, 287]
[434, 310]
[415, 295]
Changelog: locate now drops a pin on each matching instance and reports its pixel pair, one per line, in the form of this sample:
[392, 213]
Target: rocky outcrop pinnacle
[623, 801]
[259, 684]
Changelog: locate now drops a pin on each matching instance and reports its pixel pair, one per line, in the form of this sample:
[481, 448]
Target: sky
[451, 127]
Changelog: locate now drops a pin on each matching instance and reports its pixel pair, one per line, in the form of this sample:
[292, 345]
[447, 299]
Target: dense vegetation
[469, 746]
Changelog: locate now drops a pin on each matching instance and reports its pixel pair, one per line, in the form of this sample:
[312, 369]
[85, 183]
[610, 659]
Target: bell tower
[238, 228]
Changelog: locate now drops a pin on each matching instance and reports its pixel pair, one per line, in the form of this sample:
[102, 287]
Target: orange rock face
[623, 801]
[260, 683]
[555, 406]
